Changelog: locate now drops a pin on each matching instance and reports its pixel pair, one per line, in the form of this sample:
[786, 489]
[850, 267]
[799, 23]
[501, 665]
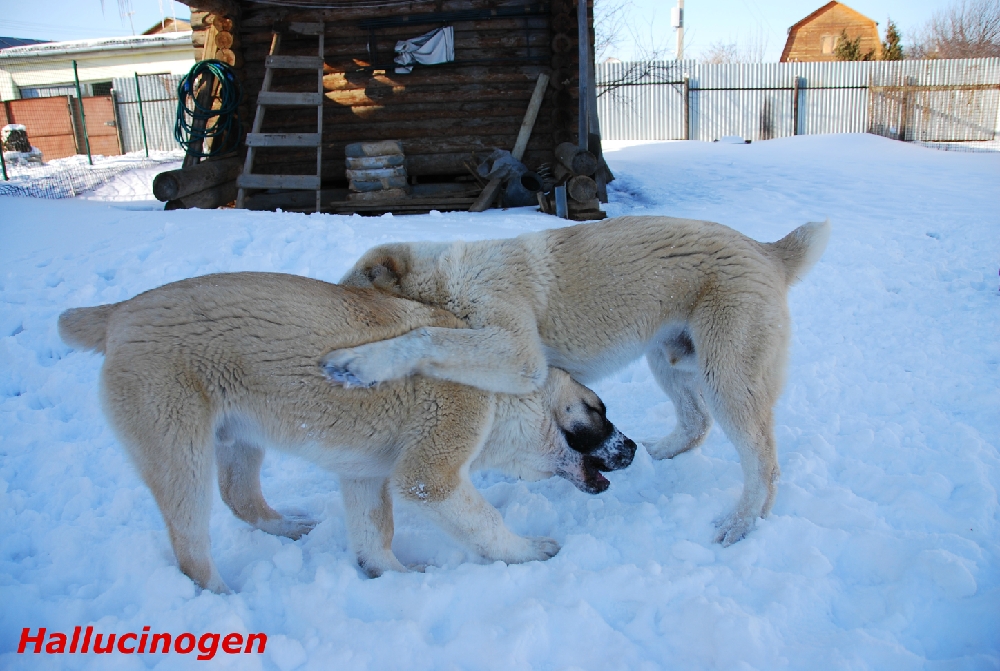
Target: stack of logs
[376, 171]
[214, 38]
[574, 170]
[205, 185]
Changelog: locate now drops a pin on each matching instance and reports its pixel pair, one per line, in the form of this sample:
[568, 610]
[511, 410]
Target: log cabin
[446, 115]
[814, 38]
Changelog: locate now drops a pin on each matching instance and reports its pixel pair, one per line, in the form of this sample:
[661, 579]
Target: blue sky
[81, 19]
[706, 21]
[710, 21]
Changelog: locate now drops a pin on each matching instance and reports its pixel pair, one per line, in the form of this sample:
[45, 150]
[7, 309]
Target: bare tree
[126, 12]
[721, 52]
[966, 29]
[649, 61]
[610, 26]
[750, 50]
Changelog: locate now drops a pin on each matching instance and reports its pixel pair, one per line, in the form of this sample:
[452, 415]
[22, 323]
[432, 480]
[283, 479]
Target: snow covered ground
[882, 552]
[75, 175]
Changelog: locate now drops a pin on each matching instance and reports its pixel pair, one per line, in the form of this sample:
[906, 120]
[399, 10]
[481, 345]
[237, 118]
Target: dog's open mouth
[585, 474]
[593, 480]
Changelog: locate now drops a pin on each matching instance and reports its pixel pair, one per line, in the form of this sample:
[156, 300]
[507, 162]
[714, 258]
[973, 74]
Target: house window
[53, 91]
[101, 88]
[829, 44]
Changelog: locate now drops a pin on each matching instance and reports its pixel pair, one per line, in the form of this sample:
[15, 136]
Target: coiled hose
[227, 126]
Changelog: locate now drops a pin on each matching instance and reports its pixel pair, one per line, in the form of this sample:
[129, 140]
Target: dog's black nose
[629, 450]
[622, 457]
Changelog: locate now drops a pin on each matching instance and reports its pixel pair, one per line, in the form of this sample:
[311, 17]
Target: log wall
[442, 113]
[806, 38]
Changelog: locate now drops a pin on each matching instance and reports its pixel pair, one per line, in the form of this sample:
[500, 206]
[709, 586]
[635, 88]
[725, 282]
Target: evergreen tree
[892, 49]
[850, 50]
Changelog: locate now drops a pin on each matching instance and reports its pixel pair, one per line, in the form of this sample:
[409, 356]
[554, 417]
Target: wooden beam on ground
[216, 196]
[174, 184]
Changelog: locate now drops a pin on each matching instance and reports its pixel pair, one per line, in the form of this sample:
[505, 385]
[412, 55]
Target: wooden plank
[276, 99]
[407, 205]
[263, 15]
[306, 28]
[489, 193]
[294, 62]
[283, 139]
[421, 165]
[216, 196]
[338, 34]
[378, 196]
[529, 117]
[304, 182]
[292, 200]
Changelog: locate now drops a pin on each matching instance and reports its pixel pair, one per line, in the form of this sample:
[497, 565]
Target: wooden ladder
[267, 98]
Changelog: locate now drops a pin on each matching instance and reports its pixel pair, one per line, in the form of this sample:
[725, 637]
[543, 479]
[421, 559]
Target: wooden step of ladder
[267, 98]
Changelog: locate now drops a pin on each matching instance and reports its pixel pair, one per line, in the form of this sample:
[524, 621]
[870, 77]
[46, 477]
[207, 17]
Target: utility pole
[677, 21]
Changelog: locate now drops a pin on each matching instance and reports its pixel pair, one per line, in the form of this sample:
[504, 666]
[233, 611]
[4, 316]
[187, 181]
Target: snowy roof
[8, 42]
[98, 44]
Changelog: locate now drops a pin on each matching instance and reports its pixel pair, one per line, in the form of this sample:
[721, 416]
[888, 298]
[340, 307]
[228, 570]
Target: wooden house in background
[442, 113]
[169, 25]
[814, 38]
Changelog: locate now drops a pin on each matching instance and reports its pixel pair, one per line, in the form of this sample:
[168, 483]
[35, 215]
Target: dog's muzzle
[586, 471]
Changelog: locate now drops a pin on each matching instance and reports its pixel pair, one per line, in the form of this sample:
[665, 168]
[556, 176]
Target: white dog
[211, 369]
[705, 304]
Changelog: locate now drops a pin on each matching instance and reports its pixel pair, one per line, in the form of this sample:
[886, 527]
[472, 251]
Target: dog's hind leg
[741, 383]
[368, 509]
[166, 429]
[751, 430]
[674, 366]
[239, 462]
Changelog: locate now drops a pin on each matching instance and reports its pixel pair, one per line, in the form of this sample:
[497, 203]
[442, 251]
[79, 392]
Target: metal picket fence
[937, 101]
[147, 108]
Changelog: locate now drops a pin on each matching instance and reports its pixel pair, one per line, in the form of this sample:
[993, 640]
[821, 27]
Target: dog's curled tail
[86, 328]
[800, 250]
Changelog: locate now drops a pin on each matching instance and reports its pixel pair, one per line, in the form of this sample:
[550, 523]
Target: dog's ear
[385, 274]
[382, 268]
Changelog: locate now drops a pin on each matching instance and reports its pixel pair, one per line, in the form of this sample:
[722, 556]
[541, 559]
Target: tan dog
[232, 361]
[705, 304]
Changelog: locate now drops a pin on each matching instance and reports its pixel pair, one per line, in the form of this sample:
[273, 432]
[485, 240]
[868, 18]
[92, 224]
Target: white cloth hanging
[437, 46]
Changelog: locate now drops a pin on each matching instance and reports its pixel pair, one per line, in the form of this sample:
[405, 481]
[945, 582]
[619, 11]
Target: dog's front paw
[343, 367]
[291, 525]
[669, 447]
[375, 566]
[547, 548]
[733, 528]
[538, 548]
